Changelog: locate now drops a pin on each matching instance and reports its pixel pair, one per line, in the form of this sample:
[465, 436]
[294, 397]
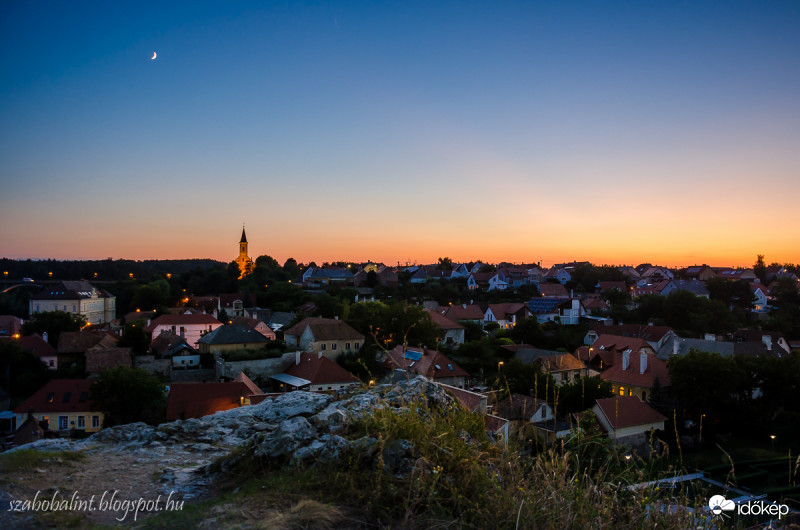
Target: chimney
[642, 362]
[626, 359]
[767, 340]
[297, 355]
[675, 346]
[44, 336]
[148, 322]
[336, 317]
[572, 293]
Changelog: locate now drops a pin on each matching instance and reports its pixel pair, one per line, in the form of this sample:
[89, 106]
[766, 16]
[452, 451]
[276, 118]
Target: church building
[246, 265]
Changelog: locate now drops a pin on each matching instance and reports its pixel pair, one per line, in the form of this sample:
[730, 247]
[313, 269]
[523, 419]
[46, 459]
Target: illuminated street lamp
[772, 437]
[499, 365]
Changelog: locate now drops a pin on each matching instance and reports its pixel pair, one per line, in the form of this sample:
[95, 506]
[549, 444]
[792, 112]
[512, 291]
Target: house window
[52, 362]
[323, 347]
[183, 330]
[333, 346]
[622, 391]
[630, 391]
[95, 422]
[644, 396]
[74, 309]
[355, 346]
[63, 423]
[37, 308]
[346, 345]
[81, 422]
[50, 397]
[46, 421]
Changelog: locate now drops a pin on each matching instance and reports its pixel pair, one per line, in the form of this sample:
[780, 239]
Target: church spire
[244, 237]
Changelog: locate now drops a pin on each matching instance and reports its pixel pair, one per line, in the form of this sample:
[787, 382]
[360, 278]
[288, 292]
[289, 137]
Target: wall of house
[152, 365]
[71, 417]
[459, 382]
[221, 348]
[260, 367]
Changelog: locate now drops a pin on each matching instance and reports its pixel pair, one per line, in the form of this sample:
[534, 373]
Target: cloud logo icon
[717, 504]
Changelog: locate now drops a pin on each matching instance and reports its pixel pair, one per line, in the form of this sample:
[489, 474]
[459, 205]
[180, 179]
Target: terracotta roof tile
[628, 411]
[325, 329]
[59, 395]
[320, 370]
[426, 364]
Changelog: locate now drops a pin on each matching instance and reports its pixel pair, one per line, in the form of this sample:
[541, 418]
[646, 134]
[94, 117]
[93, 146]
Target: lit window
[50, 397]
[622, 391]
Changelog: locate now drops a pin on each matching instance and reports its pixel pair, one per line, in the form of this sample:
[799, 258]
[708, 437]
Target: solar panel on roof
[413, 355]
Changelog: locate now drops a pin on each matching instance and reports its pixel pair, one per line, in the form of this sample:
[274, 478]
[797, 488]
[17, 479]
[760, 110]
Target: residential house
[507, 314]
[316, 277]
[234, 303]
[171, 346]
[562, 274]
[761, 294]
[195, 400]
[610, 286]
[10, 326]
[189, 326]
[460, 270]
[748, 343]
[256, 324]
[433, 365]
[489, 281]
[41, 348]
[631, 273]
[564, 310]
[564, 367]
[99, 358]
[727, 273]
[62, 404]
[648, 289]
[657, 274]
[696, 287]
[314, 372]
[463, 313]
[97, 306]
[231, 337]
[628, 421]
[513, 276]
[520, 410]
[699, 272]
[656, 336]
[553, 290]
[381, 274]
[450, 332]
[330, 336]
[629, 364]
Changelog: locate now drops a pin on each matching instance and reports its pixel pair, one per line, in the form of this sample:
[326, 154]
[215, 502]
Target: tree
[53, 322]
[760, 269]
[21, 373]
[580, 394]
[291, 268]
[135, 338]
[128, 395]
[445, 264]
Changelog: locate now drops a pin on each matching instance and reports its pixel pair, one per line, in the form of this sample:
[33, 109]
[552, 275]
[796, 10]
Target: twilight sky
[615, 132]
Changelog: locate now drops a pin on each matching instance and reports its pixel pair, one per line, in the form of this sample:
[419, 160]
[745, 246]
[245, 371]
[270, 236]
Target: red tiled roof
[628, 411]
[66, 395]
[37, 345]
[325, 329]
[182, 320]
[553, 289]
[500, 311]
[242, 378]
[442, 321]
[656, 369]
[80, 341]
[558, 363]
[463, 312]
[470, 400]
[426, 365]
[195, 400]
[655, 333]
[518, 407]
[320, 370]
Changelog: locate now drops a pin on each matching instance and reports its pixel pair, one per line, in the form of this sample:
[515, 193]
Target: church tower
[244, 261]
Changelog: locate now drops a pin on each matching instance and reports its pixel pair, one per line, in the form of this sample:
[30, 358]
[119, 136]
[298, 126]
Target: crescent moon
[154, 56]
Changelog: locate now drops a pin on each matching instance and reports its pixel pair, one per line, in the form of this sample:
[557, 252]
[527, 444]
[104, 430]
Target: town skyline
[527, 131]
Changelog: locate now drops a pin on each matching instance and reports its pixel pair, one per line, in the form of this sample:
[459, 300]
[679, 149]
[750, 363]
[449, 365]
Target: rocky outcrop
[298, 428]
